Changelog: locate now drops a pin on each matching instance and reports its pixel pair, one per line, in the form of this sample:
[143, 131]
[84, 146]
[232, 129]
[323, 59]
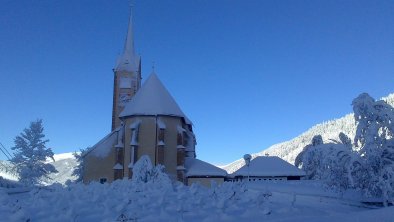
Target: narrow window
[160, 141]
[119, 155]
[118, 174]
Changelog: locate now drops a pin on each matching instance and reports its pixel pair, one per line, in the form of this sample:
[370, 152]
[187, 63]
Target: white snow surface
[297, 201]
[196, 167]
[329, 131]
[269, 166]
[152, 99]
[61, 156]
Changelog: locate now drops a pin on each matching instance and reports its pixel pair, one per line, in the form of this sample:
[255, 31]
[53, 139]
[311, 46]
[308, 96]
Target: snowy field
[161, 201]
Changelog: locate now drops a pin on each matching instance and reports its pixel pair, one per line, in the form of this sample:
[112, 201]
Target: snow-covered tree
[374, 140]
[30, 154]
[311, 158]
[330, 162]
[145, 172]
[308, 150]
[78, 170]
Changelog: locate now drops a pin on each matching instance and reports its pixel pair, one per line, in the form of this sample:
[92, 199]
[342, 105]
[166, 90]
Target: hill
[289, 150]
[64, 163]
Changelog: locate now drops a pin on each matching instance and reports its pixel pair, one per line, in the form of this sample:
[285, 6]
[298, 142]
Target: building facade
[146, 120]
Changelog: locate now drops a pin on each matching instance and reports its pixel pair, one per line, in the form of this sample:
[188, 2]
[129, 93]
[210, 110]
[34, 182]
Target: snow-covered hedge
[149, 196]
[123, 199]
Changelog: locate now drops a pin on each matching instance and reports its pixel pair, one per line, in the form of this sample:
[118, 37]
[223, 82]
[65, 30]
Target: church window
[119, 155]
[180, 135]
[160, 155]
[134, 132]
[134, 137]
[160, 141]
[160, 147]
[180, 158]
[125, 83]
[180, 139]
[133, 156]
[118, 174]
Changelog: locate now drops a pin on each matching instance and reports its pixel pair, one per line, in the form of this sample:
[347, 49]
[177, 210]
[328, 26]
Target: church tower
[127, 76]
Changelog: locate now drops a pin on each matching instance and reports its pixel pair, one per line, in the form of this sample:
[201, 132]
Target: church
[146, 120]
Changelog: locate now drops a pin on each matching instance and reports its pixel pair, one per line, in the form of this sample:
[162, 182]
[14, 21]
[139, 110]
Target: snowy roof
[118, 166]
[196, 167]
[152, 99]
[104, 146]
[128, 61]
[269, 166]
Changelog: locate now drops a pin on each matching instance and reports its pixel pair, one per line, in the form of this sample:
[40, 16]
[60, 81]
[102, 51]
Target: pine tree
[30, 154]
[78, 170]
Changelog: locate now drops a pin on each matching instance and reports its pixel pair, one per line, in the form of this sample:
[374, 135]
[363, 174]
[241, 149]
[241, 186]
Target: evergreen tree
[78, 170]
[30, 154]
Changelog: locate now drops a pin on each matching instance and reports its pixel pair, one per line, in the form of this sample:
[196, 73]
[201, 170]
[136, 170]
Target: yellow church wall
[97, 168]
[147, 142]
[170, 140]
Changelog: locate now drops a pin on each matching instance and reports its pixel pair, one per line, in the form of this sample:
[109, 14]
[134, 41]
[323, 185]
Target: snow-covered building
[203, 172]
[145, 121]
[267, 168]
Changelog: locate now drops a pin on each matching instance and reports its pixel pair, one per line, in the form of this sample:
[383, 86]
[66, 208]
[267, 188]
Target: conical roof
[152, 99]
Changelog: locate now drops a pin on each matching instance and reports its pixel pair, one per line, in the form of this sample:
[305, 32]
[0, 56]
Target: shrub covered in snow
[124, 200]
[149, 196]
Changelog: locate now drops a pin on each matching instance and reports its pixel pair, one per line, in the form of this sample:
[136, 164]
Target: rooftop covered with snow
[104, 146]
[196, 167]
[269, 166]
[152, 99]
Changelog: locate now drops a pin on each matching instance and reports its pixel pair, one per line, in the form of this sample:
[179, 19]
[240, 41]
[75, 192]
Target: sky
[248, 73]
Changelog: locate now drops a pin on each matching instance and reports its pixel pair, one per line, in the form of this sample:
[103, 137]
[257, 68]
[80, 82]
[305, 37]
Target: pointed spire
[128, 61]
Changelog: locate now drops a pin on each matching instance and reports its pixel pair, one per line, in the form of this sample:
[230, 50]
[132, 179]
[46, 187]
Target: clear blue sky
[249, 74]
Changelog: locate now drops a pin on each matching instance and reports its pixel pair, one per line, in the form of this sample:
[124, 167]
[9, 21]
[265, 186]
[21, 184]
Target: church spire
[128, 61]
[127, 75]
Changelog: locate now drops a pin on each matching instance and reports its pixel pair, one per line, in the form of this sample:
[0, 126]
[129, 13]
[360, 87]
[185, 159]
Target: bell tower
[127, 75]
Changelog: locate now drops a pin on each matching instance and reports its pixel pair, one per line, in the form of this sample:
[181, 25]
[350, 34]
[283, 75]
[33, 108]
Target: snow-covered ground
[293, 201]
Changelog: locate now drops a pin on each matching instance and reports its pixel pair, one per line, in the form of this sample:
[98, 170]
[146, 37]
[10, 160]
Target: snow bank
[123, 199]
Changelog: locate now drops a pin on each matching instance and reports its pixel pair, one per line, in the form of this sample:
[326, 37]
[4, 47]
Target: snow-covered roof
[269, 166]
[152, 99]
[118, 166]
[196, 167]
[128, 61]
[103, 147]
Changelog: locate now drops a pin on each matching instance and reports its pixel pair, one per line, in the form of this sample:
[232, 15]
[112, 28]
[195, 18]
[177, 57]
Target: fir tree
[30, 154]
[78, 170]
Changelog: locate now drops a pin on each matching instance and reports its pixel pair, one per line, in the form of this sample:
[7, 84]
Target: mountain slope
[328, 130]
[64, 163]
